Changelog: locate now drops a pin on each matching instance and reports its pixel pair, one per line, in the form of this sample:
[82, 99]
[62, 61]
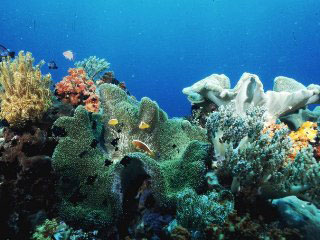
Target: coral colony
[89, 161]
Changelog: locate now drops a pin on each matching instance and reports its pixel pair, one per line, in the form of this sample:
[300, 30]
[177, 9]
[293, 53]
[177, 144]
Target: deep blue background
[160, 46]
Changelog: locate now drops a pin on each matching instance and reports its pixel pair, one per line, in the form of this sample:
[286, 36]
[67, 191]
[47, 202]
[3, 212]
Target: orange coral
[302, 137]
[76, 89]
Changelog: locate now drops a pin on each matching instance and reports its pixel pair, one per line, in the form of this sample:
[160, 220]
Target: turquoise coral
[259, 162]
[196, 212]
[93, 66]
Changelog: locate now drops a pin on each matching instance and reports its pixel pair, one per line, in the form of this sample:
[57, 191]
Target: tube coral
[26, 95]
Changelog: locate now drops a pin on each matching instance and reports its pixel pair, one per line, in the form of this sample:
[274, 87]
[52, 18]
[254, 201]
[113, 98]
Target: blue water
[160, 46]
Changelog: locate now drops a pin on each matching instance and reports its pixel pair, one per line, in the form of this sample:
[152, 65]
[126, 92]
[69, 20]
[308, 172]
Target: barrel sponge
[86, 185]
[170, 177]
[26, 95]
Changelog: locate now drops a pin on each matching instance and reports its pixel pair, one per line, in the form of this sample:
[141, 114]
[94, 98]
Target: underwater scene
[160, 120]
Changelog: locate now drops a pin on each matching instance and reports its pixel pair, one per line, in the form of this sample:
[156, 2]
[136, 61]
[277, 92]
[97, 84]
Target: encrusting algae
[26, 93]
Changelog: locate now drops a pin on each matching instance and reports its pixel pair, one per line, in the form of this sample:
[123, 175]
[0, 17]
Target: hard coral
[76, 89]
[26, 95]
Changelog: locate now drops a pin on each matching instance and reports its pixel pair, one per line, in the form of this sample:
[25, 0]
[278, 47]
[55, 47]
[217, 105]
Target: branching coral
[256, 159]
[76, 89]
[26, 95]
[93, 66]
[196, 212]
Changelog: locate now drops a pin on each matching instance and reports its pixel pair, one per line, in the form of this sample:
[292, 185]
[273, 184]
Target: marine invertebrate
[195, 212]
[27, 189]
[302, 137]
[52, 229]
[88, 183]
[249, 92]
[76, 89]
[93, 66]
[26, 95]
[166, 137]
[257, 160]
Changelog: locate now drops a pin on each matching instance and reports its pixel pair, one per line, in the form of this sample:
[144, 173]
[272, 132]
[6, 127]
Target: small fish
[142, 146]
[68, 55]
[113, 122]
[5, 52]
[52, 65]
[143, 125]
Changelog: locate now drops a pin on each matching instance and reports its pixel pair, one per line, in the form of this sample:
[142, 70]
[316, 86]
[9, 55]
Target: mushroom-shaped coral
[249, 92]
[26, 95]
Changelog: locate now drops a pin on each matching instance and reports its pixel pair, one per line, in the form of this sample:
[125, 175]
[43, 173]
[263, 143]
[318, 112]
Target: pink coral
[76, 89]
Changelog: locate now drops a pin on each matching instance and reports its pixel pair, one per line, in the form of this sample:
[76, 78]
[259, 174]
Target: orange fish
[68, 55]
[142, 146]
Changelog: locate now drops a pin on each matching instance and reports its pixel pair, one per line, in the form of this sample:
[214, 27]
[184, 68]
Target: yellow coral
[301, 138]
[26, 94]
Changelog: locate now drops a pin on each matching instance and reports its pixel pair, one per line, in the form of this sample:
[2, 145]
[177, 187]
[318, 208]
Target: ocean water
[159, 47]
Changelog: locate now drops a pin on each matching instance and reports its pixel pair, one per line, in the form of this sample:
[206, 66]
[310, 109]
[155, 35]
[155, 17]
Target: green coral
[93, 66]
[167, 138]
[52, 229]
[86, 182]
[98, 164]
[170, 177]
[196, 212]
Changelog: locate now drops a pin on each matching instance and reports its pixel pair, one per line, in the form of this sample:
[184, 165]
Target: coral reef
[121, 169]
[299, 214]
[196, 212]
[301, 138]
[27, 94]
[167, 138]
[87, 183]
[93, 66]
[244, 227]
[27, 188]
[257, 160]
[77, 90]
[52, 229]
[249, 91]
[296, 119]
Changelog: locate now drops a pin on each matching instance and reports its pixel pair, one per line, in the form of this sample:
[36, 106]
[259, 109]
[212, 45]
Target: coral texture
[76, 89]
[87, 183]
[249, 91]
[257, 160]
[26, 95]
[167, 138]
[93, 66]
[196, 212]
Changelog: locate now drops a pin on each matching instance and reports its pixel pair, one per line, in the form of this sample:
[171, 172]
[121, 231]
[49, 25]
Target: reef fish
[113, 122]
[52, 65]
[68, 55]
[142, 146]
[5, 52]
[143, 125]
